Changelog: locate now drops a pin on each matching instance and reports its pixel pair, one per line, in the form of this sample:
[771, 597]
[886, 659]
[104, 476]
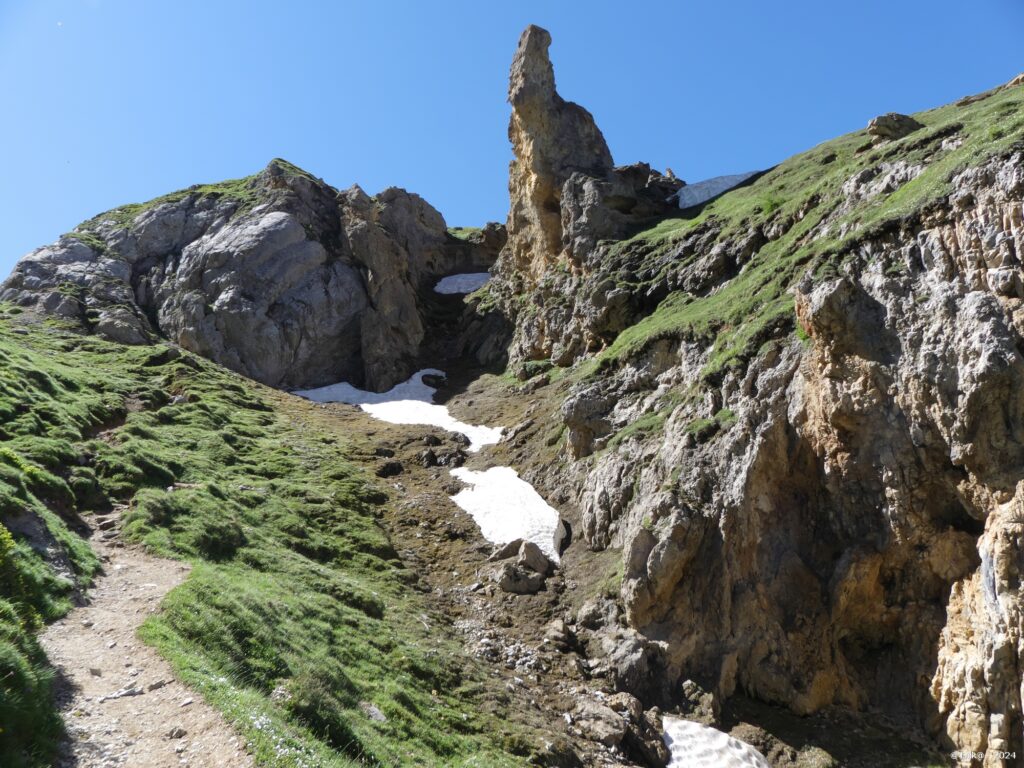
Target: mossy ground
[295, 587]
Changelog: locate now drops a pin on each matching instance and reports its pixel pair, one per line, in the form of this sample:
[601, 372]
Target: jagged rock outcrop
[803, 425]
[565, 193]
[851, 533]
[279, 276]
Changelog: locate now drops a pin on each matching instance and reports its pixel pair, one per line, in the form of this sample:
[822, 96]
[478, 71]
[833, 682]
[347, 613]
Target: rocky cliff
[278, 276]
[791, 418]
[797, 411]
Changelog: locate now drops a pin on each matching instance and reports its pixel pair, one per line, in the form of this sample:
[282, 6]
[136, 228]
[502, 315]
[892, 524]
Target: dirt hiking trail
[121, 702]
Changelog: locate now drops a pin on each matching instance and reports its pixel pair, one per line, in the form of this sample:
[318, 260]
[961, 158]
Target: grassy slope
[756, 303]
[295, 587]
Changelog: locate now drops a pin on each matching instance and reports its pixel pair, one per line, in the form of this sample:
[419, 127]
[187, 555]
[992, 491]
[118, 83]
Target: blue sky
[106, 102]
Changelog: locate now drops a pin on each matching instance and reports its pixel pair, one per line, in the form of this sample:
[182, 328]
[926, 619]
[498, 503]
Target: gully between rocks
[512, 516]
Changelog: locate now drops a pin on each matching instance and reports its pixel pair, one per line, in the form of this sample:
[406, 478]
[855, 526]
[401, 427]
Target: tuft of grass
[464, 233]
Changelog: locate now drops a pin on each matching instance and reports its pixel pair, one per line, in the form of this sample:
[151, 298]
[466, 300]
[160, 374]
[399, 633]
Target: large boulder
[892, 125]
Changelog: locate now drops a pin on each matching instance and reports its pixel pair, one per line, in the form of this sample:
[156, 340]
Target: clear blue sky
[106, 102]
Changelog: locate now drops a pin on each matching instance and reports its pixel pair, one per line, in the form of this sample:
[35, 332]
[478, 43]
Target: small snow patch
[693, 745]
[464, 283]
[507, 508]
[411, 402]
[702, 191]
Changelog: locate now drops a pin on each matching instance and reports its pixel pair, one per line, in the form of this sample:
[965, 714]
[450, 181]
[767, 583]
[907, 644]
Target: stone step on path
[120, 700]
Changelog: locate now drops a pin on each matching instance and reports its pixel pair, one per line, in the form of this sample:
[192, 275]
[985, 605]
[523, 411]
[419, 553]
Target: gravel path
[120, 700]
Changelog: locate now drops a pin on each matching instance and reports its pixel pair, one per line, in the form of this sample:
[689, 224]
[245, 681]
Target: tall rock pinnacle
[552, 138]
[565, 194]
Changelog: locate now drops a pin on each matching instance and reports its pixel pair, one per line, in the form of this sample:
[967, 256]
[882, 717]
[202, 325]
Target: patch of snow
[504, 506]
[411, 402]
[507, 508]
[464, 283]
[702, 191]
[692, 745]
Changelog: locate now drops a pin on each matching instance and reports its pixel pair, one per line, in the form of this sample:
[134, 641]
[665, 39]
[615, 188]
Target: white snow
[702, 191]
[693, 745]
[411, 402]
[507, 508]
[464, 283]
[504, 506]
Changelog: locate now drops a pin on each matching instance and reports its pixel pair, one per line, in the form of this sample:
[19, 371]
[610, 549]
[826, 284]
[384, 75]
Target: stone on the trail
[120, 694]
[186, 702]
[559, 636]
[505, 551]
[87, 623]
[156, 686]
[95, 672]
[176, 732]
[597, 612]
[532, 558]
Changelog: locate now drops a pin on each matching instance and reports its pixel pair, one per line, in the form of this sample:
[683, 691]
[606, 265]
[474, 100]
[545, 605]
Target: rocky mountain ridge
[278, 276]
[798, 413]
[788, 421]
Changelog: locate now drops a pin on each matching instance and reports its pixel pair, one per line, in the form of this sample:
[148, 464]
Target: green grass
[464, 233]
[756, 304]
[295, 587]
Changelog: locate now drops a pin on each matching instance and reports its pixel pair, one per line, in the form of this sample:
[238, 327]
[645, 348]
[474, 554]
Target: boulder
[558, 635]
[892, 126]
[506, 550]
[600, 723]
[531, 558]
[517, 580]
[643, 739]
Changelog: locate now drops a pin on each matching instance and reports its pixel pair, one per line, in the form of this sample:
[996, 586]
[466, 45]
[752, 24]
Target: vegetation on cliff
[801, 213]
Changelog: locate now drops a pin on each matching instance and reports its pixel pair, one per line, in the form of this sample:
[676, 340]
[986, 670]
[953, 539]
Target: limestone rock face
[282, 278]
[839, 520]
[565, 192]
